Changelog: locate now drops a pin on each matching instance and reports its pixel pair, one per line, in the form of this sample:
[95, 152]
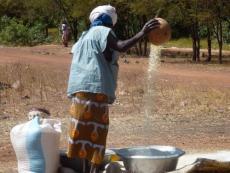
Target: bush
[14, 32]
[36, 34]
[54, 34]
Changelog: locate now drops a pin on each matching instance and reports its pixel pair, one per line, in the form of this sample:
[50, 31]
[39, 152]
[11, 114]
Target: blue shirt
[90, 71]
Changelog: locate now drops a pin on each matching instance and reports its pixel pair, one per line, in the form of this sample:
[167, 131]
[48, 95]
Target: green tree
[221, 13]
[30, 11]
[12, 8]
[190, 11]
[199, 14]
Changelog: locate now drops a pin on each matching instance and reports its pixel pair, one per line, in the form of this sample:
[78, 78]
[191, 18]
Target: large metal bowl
[150, 159]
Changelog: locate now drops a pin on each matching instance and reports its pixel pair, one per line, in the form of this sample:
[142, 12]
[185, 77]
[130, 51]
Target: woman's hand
[150, 25]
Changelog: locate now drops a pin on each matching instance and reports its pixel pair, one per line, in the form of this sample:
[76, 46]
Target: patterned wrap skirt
[88, 127]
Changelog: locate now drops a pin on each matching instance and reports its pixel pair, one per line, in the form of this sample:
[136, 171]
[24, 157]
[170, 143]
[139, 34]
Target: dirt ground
[183, 104]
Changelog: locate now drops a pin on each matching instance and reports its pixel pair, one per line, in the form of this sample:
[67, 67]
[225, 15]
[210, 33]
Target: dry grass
[31, 86]
[40, 84]
[174, 109]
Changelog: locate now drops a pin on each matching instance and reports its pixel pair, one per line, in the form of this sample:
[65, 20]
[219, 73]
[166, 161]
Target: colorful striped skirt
[89, 127]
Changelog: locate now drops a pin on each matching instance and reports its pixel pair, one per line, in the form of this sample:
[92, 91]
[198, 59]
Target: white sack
[36, 144]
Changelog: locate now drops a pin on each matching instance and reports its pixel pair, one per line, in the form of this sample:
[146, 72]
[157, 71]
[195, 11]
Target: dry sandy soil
[182, 104]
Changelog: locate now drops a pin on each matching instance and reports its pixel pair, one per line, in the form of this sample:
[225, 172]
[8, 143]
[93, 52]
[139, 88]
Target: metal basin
[150, 159]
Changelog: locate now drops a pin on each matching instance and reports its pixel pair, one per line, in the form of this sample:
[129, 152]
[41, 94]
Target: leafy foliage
[14, 32]
[188, 18]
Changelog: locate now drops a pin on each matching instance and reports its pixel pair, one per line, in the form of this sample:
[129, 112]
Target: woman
[65, 34]
[92, 84]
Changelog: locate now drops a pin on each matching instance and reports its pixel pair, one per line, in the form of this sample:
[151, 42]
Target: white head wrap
[107, 9]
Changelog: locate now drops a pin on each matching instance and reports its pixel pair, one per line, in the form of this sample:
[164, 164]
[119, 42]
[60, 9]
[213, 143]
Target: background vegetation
[28, 22]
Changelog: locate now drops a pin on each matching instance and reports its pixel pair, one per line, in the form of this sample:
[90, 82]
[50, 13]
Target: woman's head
[103, 15]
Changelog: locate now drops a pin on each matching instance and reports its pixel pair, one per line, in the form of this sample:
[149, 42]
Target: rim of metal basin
[162, 152]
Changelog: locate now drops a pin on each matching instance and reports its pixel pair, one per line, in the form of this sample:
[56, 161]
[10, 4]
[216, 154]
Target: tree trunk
[198, 41]
[145, 46]
[141, 40]
[46, 21]
[220, 53]
[46, 31]
[193, 43]
[140, 47]
[195, 36]
[198, 49]
[74, 28]
[219, 37]
[136, 50]
[209, 38]
[194, 49]
[144, 20]
[127, 33]
[219, 30]
[220, 41]
[209, 41]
